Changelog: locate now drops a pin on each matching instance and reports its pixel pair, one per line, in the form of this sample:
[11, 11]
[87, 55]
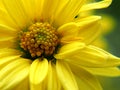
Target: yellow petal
[7, 34]
[111, 72]
[1, 5]
[29, 8]
[14, 73]
[5, 19]
[96, 57]
[38, 8]
[7, 56]
[7, 43]
[67, 10]
[48, 9]
[96, 5]
[69, 32]
[111, 60]
[4, 60]
[85, 78]
[17, 12]
[84, 30]
[69, 49]
[82, 85]
[66, 76]
[89, 56]
[24, 85]
[6, 30]
[51, 81]
[38, 72]
[8, 52]
[33, 9]
[89, 28]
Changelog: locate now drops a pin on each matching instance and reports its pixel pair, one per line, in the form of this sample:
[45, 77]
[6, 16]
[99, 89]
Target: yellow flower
[43, 46]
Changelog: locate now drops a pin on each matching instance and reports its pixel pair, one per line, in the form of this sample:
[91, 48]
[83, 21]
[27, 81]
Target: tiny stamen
[40, 40]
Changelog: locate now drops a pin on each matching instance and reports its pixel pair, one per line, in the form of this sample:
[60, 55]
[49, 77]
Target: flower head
[43, 46]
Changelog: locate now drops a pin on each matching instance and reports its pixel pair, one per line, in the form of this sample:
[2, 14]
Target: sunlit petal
[69, 49]
[52, 80]
[14, 73]
[86, 78]
[81, 30]
[67, 10]
[89, 56]
[96, 5]
[38, 72]
[66, 76]
[24, 85]
[16, 10]
[111, 71]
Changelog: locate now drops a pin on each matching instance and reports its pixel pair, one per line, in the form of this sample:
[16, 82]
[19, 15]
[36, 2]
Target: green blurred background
[113, 40]
[114, 37]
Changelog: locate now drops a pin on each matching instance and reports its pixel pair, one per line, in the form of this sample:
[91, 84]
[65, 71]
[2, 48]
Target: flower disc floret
[40, 39]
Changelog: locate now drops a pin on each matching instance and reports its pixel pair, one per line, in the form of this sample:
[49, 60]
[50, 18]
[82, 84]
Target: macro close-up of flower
[44, 46]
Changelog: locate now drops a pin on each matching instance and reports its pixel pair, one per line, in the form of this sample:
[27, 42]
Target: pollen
[41, 39]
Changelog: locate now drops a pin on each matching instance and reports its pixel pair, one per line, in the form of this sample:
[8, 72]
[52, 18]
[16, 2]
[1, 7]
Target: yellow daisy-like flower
[44, 47]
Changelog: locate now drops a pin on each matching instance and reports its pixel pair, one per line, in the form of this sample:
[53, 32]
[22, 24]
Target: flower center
[40, 40]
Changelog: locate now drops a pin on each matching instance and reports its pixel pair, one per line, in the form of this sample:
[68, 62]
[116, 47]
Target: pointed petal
[66, 76]
[111, 60]
[96, 5]
[86, 78]
[69, 32]
[69, 49]
[89, 28]
[84, 30]
[111, 72]
[89, 56]
[38, 72]
[67, 10]
[17, 12]
[14, 73]
[52, 82]
[82, 85]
